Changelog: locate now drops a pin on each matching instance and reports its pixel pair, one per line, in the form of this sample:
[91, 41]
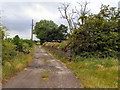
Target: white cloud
[23, 34]
[38, 12]
[38, 0]
[18, 16]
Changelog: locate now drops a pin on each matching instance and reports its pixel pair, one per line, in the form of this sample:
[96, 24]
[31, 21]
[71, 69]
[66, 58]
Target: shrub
[18, 42]
[29, 42]
[26, 48]
[8, 51]
[23, 45]
[99, 34]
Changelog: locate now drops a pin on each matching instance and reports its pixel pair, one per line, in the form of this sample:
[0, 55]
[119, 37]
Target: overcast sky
[17, 15]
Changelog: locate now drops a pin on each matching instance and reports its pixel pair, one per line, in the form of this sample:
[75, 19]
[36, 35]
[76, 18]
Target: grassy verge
[19, 63]
[93, 72]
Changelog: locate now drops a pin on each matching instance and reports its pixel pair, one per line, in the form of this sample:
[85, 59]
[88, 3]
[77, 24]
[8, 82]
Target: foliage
[2, 31]
[13, 61]
[16, 55]
[48, 31]
[56, 45]
[63, 45]
[62, 32]
[93, 72]
[96, 78]
[29, 42]
[96, 72]
[99, 36]
[94, 34]
[18, 42]
[8, 51]
[12, 66]
[26, 48]
[12, 47]
[22, 45]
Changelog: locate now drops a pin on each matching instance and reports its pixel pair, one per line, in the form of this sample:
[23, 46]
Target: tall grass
[17, 64]
[93, 72]
[96, 73]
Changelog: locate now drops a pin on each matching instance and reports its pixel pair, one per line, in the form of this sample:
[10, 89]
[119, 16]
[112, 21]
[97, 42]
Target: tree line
[11, 47]
[90, 34]
[47, 30]
[93, 34]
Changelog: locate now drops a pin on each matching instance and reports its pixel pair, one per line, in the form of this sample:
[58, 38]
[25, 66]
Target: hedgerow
[98, 36]
[16, 55]
[12, 47]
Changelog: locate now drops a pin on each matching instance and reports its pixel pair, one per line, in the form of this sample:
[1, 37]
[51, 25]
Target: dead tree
[69, 16]
[75, 17]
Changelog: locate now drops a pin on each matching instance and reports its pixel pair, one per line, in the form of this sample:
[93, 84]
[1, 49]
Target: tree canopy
[98, 35]
[47, 31]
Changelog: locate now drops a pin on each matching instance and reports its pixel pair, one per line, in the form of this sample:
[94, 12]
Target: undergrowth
[15, 65]
[93, 72]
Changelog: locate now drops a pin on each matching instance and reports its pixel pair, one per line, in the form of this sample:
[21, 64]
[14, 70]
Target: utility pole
[32, 31]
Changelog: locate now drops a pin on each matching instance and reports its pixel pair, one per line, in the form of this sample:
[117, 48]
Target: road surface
[59, 75]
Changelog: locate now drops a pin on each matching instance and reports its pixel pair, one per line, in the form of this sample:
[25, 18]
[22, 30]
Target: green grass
[46, 60]
[93, 72]
[46, 74]
[12, 67]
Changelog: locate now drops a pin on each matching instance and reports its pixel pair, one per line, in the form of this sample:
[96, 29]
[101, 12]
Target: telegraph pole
[32, 31]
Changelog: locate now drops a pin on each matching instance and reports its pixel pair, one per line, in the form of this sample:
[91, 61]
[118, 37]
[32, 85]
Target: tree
[2, 31]
[75, 17]
[47, 31]
[17, 41]
[95, 34]
[62, 30]
[99, 35]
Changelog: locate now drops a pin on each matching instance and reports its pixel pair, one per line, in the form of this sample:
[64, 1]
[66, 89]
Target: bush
[8, 51]
[23, 45]
[17, 41]
[29, 42]
[63, 45]
[26, 48]
[15, 65]
[99, 35]
[56, 45]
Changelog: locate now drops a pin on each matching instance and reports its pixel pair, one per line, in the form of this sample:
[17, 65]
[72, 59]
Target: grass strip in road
[93, 72]
[45, 75]
[46, 60]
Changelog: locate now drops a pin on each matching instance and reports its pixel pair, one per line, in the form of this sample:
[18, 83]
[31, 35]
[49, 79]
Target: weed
[93, 72]
[46, 74]
[15, 65]
[46, 59]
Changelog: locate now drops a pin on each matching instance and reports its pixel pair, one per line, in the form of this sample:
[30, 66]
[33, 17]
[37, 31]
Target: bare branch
[74, 16]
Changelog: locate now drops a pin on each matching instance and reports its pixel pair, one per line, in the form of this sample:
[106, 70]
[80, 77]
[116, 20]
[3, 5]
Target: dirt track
[59, 77]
